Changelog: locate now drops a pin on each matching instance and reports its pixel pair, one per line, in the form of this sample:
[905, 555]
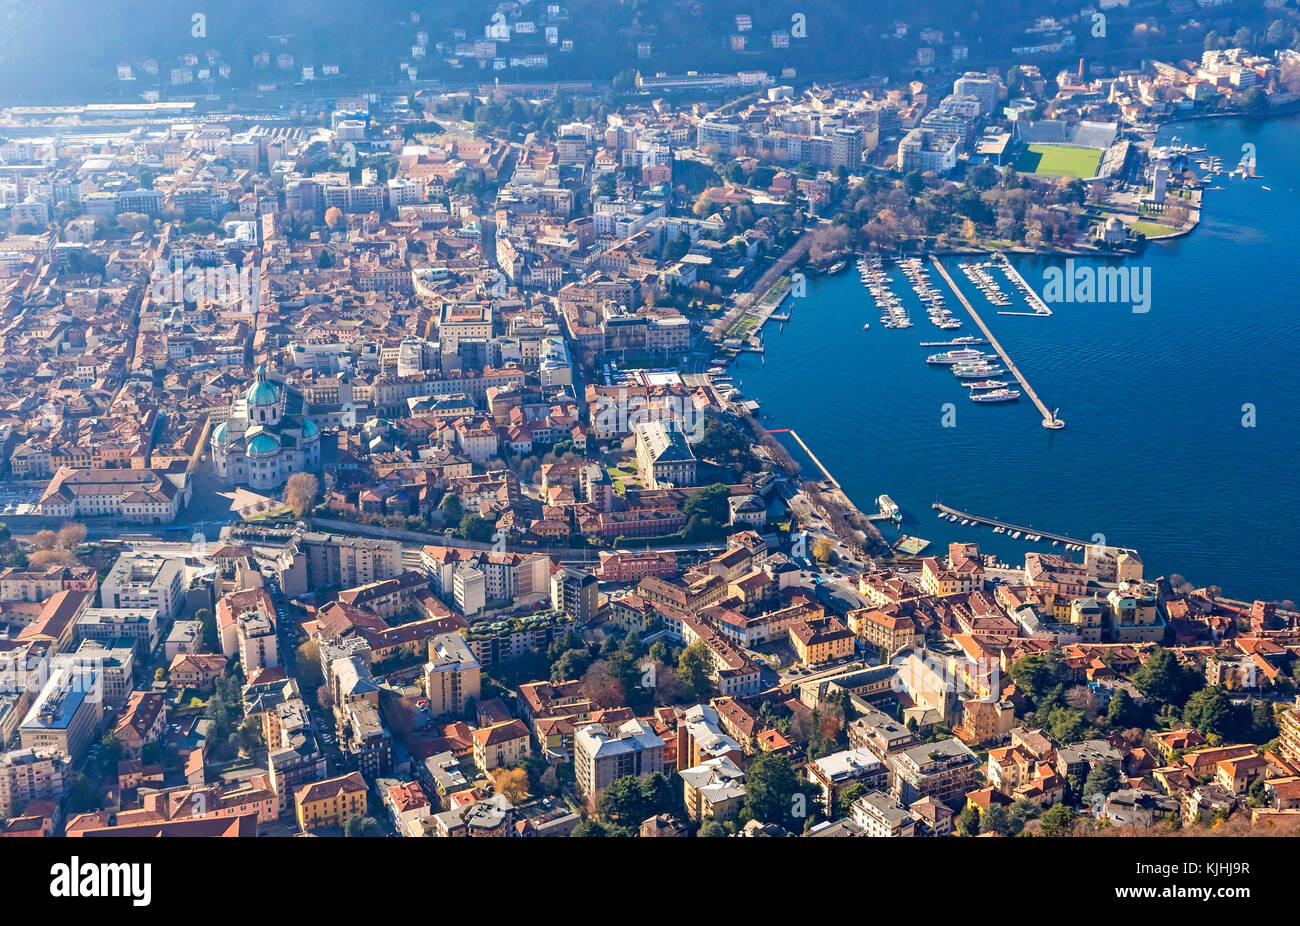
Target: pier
[1050, 421]
[994, 522]
[808, 450]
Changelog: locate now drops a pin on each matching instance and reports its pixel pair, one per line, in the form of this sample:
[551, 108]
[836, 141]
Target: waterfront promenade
[1050, 421]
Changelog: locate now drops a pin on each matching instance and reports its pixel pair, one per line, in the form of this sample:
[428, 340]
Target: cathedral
[266, 438]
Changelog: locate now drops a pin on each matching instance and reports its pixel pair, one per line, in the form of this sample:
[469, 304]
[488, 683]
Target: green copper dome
[263, 445]
[263, 391]
[309, 429]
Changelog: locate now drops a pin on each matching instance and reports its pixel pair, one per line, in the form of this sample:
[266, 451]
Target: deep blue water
[1154, 454]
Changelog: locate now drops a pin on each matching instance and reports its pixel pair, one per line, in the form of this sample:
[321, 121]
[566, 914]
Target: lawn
[1151, 229]
[1060, 161]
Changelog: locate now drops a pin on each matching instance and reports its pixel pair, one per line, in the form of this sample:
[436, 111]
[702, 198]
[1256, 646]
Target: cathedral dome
[263, 445]
[263, 392]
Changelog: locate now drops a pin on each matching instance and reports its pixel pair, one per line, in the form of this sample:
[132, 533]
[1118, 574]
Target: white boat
[866, 326]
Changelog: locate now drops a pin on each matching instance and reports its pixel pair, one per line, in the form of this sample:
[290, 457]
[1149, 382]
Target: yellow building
[820, 640]
[331, 802]
[883, 630]
[500, 745]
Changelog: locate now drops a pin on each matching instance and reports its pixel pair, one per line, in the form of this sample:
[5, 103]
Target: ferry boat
[950, 357]
[976, 371]
[997, 395]
[988, 384]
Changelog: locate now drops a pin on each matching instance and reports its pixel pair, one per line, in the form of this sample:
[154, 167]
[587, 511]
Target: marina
[1153, 509]
[936, 307]
[872, 273]
[1036, 303]
[1050, 420]
[978, 273]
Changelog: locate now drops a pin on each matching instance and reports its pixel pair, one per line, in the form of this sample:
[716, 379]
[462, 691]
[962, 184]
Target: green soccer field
[1060, 161]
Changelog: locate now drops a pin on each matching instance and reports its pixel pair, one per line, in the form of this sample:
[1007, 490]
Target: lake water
[1155, 455]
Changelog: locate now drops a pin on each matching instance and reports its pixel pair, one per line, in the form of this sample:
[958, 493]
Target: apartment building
[146, 582]
[451, 676]
[500, 745]
[600, 756]
[713, 790]
[575, 592]
[943, 770]
[330, 802]
[338, 561]
[878, 814]
[885, 629]
[66, 713]
[28, 775]
[140, 625]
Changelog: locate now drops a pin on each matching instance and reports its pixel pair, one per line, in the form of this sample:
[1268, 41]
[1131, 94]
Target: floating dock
[1050, 421]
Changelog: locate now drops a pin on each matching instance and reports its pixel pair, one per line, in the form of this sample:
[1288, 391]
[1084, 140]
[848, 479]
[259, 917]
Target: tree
[1123, 712]
[82, 796]
[775, 795]
[588, 829]
[1058, 820]
[362, 827]
[1037, 675]
[693, 667]
[1101, 780]
[823, 549]
[995, 820]
[300, 492]
[968, 821]
[451, 510]
[571, 664]
[46, 539]
[601, 685]
[712, 829]
[307, 666]
[210, 641]
[513, 783]
[623, 803]
[110, 752]
[1067, 725]
[667, 684]
[333, 216]
[249, 735]
[477, 528]
[1163, 680]
[42, 559]
[844, 802]
[1209, 711]
[72, 535]
[1021, 812]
